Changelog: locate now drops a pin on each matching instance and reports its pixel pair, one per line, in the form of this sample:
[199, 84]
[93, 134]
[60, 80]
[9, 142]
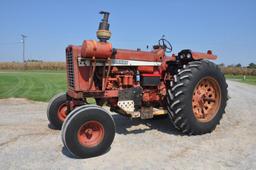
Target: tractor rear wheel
[88, 131]
[197, 98]
[57, 110]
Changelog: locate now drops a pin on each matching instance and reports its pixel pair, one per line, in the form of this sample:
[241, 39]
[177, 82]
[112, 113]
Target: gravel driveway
[26, 141]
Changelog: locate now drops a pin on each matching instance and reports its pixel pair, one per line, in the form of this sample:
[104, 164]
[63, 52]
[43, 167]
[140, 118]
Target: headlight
[189, 55]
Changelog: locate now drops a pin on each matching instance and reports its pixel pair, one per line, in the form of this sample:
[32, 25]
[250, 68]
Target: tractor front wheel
[88, 131]
[197, 97]
[57, 110]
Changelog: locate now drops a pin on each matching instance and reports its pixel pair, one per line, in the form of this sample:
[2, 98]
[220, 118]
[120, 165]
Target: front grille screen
[70, 69]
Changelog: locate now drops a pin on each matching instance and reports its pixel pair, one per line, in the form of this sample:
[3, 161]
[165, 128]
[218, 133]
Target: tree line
[238, 69]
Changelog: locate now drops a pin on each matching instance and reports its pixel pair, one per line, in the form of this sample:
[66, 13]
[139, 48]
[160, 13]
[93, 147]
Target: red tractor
[136, 84]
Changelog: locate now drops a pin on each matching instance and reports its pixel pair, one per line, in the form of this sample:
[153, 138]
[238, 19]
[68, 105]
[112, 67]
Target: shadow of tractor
[126, 125]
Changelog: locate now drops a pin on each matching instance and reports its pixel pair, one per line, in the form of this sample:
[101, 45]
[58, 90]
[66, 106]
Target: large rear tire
[88, 132]
[197, 98]
[57, 110]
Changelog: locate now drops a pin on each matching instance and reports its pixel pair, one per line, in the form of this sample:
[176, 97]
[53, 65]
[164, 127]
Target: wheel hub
[90, 134]
[62, 112]
[206, 99]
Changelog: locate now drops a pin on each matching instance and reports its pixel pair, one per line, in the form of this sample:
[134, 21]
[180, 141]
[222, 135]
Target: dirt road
[26, 141]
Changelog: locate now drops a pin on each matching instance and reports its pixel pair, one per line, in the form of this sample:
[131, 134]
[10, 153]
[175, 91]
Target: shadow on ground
[70, 155]
[50, 126]
[160, 123]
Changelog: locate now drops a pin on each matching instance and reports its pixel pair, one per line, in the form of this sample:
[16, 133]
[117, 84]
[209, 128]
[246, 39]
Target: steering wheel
[165, 44]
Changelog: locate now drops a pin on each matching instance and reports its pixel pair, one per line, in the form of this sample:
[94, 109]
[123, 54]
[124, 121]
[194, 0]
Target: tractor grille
[70, 69]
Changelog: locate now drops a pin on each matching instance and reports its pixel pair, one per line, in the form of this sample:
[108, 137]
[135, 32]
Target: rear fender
[186, 54]
[208, 55]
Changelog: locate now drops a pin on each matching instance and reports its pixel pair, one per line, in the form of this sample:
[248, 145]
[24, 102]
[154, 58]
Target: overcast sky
[228, 27]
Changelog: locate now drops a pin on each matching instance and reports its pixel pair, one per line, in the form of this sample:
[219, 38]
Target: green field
[34, 85]
[240, 78]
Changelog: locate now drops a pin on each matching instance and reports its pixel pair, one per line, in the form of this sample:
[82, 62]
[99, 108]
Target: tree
[251, 65]
[238, 65]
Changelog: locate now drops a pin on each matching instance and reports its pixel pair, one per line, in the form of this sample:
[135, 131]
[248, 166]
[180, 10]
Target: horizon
[227, 28]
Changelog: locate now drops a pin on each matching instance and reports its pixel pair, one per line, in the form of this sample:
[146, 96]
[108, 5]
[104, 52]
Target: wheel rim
[90, 134]
[206, 99]
[62, 112]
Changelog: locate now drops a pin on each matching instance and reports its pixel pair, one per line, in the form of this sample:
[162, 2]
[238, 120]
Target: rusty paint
[146, 69]
[206, 99]
[208, 55]
[92, 48]
[90, 134]
[155, 55]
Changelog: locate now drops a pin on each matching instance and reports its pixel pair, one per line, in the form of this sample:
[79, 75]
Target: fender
[187, 54]
[208, 55]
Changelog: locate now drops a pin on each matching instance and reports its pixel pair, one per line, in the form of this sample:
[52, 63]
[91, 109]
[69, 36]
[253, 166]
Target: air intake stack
[103, 33]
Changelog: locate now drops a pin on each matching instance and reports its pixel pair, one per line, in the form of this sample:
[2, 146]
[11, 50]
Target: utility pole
[23, 45]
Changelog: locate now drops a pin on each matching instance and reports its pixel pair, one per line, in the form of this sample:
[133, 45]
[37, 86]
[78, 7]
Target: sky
[227, 27]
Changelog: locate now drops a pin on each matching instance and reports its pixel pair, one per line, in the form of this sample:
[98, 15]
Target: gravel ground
[26, 141]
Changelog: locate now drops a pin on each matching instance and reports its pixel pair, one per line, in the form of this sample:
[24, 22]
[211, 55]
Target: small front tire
[57, 110]
[88, 132]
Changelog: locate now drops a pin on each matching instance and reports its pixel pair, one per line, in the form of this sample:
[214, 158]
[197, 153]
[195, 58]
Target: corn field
[33, 66]
[238, 71]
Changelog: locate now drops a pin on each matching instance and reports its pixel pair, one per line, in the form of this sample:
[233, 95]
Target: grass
[34, 85]
[240, 78]
[38, 85]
